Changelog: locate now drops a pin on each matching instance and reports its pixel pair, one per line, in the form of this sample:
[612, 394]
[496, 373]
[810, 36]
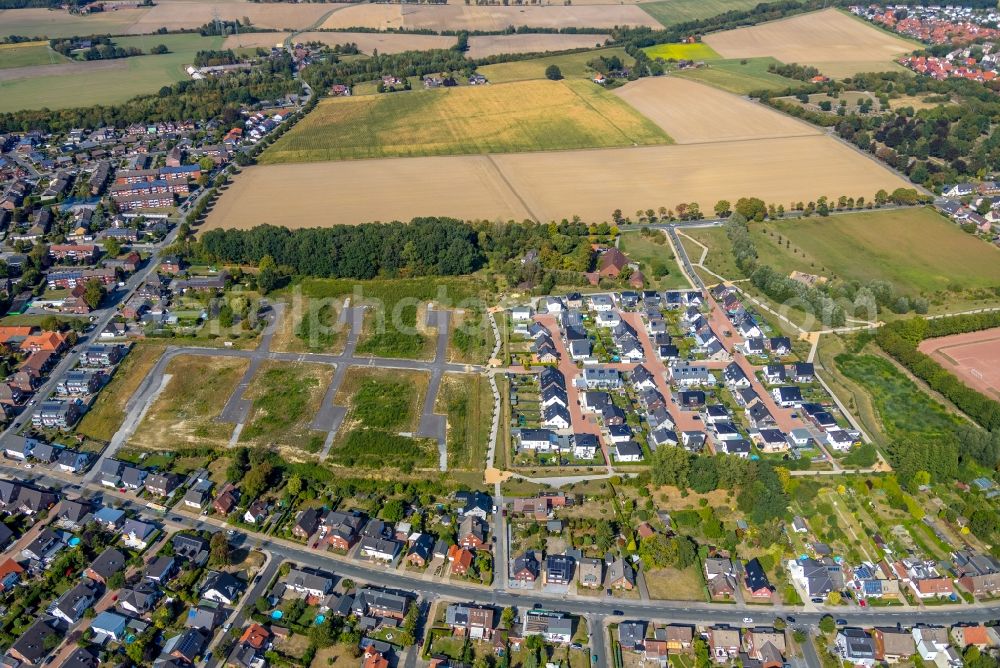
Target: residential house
[473, 621]
[554, 627]
[590, 573]
[106, 565]
[163, 484]
[621, 575]
[724, 643]
[892, 644]
[525, 568]
[222, 588]
[855, 646]
[71, 605]
[309, 582]
[136, 534]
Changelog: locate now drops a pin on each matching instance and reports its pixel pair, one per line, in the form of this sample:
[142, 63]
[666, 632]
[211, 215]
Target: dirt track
[694, 113]
[836, 43]
[548, 185]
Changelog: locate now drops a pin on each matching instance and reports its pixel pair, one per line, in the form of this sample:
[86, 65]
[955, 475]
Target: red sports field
[973, 357]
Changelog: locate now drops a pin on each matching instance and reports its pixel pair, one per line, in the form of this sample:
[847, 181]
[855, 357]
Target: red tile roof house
[611, 263]
[461, 560]
[932, 587]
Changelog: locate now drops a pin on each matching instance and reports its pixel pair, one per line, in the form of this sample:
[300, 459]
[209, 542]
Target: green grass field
[29, 54]
[572, 65]
[656, 261]
[523, 116]
[110, 82]
[739, 75]
[917, 250]
[286, 398]
[697, 51]
[903, 408]
[670, 12]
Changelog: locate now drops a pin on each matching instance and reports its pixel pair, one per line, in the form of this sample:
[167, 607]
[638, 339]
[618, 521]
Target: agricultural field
[103, 82]
[179, 14]
[38, 22]
[28, 54]
[286, 398]
[830, 40]
[572, 65]
[656, 260]
[468, 403]
[253, 40]
[696, 51]
[383, 42]
[917, 250]
[185, 411]
[670, 12]
[523, 116]
[693, 113]
[548, 185]
[484, 17]
[740, 75]
[481, 46]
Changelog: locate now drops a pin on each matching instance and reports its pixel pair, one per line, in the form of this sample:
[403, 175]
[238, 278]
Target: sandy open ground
[973, 357]
[385, 42]
[694, 113]
[491, 45]
[485, 17]
[548, 185]
[838, 44]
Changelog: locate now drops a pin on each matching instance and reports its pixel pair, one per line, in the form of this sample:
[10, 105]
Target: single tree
[553, 72]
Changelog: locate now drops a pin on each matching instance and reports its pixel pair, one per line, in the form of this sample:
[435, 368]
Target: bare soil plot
[485, 17]
[974, 357]
[176, 14]
[548, 185]
[491, 45]
[186, 409]
[694, 113]
[385, 42]
[838, 44]
[252, 40]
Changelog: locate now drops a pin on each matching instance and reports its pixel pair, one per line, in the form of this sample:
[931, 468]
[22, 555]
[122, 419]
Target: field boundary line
[586, 103]
[511, 188]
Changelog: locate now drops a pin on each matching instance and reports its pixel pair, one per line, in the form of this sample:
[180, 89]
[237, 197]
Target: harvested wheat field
[548, 185]
[177, 14]
[836, 43]
[252, 40]
[492, 45]
[484, 17]
[333, 193]
[520, 116]
[385, 42]
[37, 22]
[694, 113]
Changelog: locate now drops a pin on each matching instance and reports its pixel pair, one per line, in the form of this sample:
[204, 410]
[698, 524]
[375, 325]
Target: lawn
[108, 82]
[917, 250]
[28, 54]
[720, 257]
[670, 12]
[696, 51]
[515, 117]
[676, 585]
[108, 411]
[572, 66]
[467, 400]
[187, 408]
[903, 407]
[286, 398]
[739, 75]
[656, 260]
